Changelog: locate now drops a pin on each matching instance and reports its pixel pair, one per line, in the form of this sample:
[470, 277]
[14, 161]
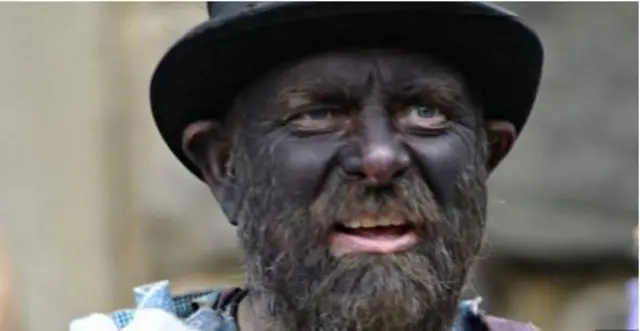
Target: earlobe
[502, 135]
[208, 146]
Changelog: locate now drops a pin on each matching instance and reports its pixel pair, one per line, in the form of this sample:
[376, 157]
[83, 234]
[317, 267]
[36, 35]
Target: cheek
[441, 160]
[303, 165]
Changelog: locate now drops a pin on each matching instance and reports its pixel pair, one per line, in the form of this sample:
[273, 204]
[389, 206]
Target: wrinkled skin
[335, 137]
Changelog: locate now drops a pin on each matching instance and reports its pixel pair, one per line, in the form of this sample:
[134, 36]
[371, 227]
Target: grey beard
[301, 286]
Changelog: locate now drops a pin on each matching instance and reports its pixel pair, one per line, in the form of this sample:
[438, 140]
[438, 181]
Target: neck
[249, 312]
[254, 315]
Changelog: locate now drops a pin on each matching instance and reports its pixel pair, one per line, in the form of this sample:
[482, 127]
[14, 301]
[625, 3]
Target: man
[351, 145]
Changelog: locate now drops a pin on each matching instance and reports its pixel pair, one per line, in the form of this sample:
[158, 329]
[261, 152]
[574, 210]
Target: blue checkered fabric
[158, 295]
[194, 308]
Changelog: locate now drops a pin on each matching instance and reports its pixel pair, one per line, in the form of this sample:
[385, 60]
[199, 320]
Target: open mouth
[372, 235]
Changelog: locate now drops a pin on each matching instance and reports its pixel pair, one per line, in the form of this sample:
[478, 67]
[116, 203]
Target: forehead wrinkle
[399, 68]
[411, 77]
[332, 74]
[351, 76]
[397, 73]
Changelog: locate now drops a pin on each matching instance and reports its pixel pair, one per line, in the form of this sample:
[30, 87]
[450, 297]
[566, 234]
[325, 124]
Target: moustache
[408, 199]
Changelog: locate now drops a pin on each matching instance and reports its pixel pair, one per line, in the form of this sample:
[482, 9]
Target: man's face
[358, 184]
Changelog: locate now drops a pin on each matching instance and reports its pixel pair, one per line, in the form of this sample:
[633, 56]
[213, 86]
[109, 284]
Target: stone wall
[66, 199]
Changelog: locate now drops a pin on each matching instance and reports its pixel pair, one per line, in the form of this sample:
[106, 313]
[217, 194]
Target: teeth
[384, 222]
[352, 224]
[368, 222]
[396, 222]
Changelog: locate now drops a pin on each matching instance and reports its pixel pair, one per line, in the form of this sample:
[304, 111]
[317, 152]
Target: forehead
[359, 67]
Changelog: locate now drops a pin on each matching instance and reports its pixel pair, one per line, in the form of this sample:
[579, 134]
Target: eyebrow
[301, 93]
[437, 89]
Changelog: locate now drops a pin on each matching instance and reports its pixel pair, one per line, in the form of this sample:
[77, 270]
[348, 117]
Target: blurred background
[92, 202]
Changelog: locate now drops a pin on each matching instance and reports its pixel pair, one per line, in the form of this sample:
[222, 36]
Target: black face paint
[346, 135]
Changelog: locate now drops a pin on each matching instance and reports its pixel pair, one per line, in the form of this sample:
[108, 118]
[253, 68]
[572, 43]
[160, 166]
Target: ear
[502, 135]
[208, 146]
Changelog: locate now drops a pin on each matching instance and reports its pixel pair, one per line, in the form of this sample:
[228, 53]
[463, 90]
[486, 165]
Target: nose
[381, 164]
[379, 160]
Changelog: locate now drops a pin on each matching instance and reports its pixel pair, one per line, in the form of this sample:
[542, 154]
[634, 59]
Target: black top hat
[201, 74]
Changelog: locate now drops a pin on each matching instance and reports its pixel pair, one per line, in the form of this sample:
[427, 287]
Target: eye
[424, 117]
[321, 119]
[424, 111]
[316, 115]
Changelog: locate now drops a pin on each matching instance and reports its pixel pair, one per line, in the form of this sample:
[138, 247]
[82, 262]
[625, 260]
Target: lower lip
[342, 243]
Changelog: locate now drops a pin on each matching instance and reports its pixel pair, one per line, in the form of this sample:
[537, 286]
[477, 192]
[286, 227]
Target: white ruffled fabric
[149, 319]
[154, 312]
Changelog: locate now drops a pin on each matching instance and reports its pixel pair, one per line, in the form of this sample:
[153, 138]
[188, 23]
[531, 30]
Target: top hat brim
[202, 73]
